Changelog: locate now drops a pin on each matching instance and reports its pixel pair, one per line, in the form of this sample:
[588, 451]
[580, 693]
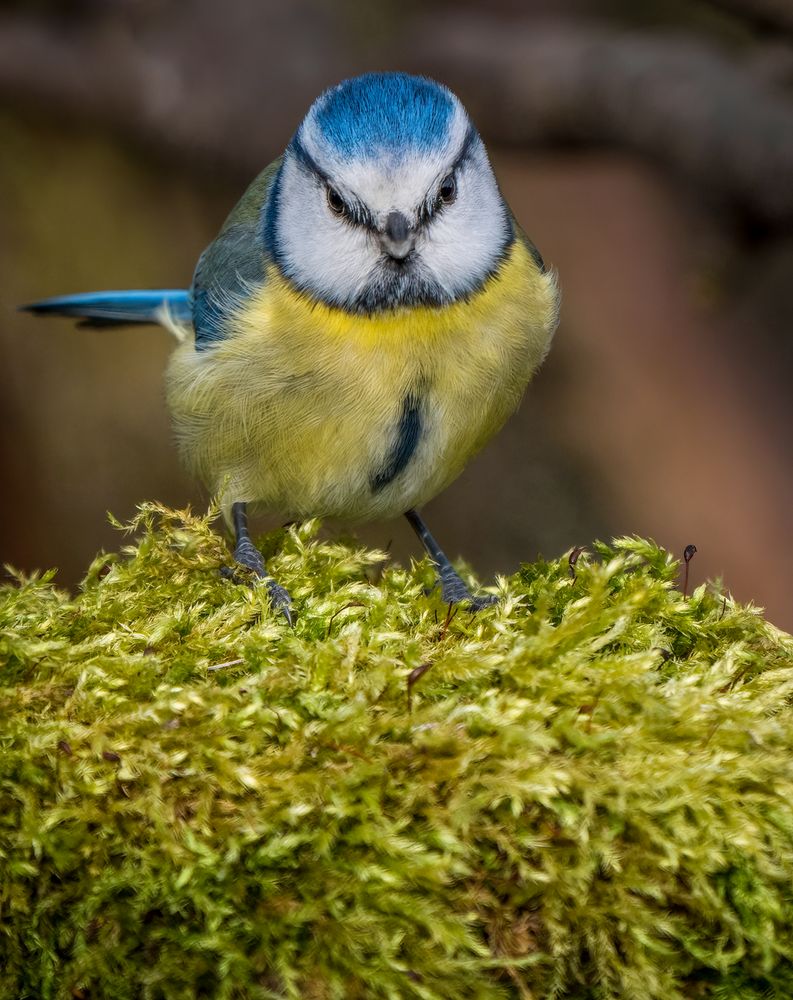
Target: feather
[168, 307]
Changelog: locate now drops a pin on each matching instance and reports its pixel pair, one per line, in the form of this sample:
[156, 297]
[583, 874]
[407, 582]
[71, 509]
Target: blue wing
[234, 263]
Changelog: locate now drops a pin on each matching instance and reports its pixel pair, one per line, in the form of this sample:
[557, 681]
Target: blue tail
[118, 308]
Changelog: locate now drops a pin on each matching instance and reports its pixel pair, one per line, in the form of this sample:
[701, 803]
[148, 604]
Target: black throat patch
[394, 284]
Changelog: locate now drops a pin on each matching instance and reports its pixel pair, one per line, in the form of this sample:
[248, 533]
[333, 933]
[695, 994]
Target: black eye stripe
[356, 212]
[466, 149]
[434, 201]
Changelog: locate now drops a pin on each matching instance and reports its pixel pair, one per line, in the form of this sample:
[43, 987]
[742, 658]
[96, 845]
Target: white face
[385, 231]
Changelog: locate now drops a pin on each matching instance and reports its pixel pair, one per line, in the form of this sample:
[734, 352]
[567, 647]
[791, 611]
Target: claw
[280, 599]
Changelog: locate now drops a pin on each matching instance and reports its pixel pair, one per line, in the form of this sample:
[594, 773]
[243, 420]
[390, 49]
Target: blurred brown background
[646, 147]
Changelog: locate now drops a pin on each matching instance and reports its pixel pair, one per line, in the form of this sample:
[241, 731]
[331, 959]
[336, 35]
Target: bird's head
[386, 198]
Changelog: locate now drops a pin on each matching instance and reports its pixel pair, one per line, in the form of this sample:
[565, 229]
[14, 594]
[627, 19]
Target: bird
[367, 318]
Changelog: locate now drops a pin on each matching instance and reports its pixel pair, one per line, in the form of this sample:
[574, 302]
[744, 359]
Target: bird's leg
[453, 590]
[246, 554]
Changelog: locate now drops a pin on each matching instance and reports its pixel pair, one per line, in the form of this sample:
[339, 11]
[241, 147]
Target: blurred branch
[92, 76]
[670, 98]
[675, 100]
[768, 14]
[188, 79]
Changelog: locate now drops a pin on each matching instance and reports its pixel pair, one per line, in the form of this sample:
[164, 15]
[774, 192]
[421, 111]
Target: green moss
[591, 798]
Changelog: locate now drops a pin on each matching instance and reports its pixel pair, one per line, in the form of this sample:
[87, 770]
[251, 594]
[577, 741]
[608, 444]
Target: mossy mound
[592, 796]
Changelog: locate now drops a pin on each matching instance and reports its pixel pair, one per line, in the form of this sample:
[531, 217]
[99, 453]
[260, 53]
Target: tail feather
[168, 306]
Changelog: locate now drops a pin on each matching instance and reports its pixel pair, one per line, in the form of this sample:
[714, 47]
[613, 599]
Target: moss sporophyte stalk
[592, 796]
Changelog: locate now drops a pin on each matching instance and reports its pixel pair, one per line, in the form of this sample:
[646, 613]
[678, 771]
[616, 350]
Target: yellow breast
[298, 409]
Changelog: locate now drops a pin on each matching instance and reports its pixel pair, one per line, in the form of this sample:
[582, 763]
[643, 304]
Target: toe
[247, 555]
[482, 601]
[453, 590]
[280, 600]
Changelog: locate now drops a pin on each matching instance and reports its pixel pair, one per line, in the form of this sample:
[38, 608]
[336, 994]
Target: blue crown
[391, 111]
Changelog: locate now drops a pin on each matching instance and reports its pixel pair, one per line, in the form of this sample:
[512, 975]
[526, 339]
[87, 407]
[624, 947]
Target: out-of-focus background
[645, 145]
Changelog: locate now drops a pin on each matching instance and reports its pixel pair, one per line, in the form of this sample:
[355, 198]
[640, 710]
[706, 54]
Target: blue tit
[368, 317]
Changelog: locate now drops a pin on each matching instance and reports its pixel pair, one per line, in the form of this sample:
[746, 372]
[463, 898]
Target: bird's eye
[447, 192]
[336, 202]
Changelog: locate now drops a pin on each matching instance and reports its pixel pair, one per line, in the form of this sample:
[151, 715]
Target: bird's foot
[454, 591]
[280, 599]
[247, 555]
[481, 601]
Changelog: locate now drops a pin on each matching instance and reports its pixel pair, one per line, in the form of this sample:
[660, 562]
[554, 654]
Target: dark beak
[396, 237]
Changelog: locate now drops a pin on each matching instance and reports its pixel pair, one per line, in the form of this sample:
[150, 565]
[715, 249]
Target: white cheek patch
[464, 241]
[318, 250]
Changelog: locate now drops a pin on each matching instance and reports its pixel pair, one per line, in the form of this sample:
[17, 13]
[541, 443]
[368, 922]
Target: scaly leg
[246, 554]
[453, 590]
